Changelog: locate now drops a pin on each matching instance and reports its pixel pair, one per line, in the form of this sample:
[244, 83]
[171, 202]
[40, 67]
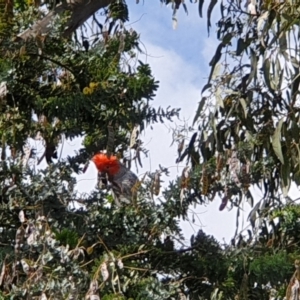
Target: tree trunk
[80, 11]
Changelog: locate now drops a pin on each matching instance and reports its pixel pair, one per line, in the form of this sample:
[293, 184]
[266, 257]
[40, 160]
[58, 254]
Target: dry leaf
[22, 216]
[104, 271]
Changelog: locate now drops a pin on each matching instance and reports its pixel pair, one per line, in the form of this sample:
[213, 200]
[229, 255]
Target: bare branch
[80, 11]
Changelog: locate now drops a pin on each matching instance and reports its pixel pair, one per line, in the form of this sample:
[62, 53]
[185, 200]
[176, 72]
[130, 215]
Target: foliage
[248, 135]
[54, 88]
[247, 120]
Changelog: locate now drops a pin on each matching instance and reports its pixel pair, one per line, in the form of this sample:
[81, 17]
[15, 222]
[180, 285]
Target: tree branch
[80, 11]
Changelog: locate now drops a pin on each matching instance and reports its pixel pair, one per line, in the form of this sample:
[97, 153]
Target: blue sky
[179, 60]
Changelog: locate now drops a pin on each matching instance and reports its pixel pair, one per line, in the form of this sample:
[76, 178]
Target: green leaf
[199, 110]
[296, 82]
[217, 56]
[209, 12]
[213, 125]
[253, 67]
[285, 178]
[244, 106]
[253, 214]
[249, 198]
[200, 7]
[227, 38]
[215, 60]
[282, 41]
[241, 46]
[261, 22]
[207, 86]
[266, 70]
[278, 76]
[276, 141]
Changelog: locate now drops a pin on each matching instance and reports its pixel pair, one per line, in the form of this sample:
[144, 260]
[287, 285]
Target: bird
[124, 182]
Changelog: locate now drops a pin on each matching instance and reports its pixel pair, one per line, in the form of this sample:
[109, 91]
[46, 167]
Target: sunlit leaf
[276, 141]
[244, 106]
[286, 180]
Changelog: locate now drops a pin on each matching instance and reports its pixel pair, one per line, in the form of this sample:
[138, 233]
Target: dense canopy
[57, 82]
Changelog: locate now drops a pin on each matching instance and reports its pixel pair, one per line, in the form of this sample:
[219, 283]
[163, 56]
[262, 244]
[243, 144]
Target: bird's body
[124, 182]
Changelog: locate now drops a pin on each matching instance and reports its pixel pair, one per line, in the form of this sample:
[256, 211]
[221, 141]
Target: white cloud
[179, 60]
[180, 84]
[177, 78]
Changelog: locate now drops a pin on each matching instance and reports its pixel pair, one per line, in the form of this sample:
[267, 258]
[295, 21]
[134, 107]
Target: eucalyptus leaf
[276, 141]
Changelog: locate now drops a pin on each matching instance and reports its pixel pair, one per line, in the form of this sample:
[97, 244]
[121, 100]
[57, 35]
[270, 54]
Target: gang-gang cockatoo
[124, 182]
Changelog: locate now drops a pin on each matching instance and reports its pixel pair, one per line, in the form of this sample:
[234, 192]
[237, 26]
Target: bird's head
[105, 164]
